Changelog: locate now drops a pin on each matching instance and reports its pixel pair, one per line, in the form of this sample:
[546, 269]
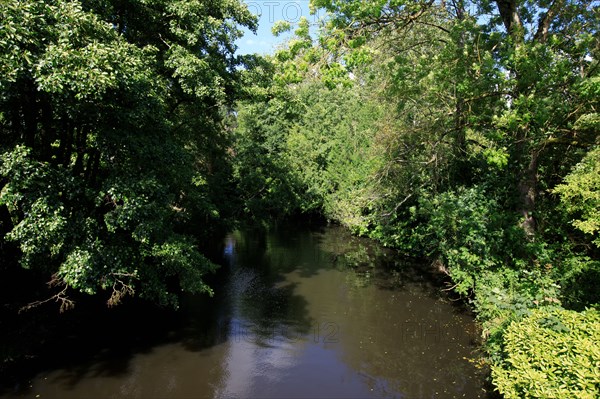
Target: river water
[298, 312]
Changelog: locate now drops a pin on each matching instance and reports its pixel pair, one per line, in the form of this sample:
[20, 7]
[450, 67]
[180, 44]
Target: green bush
[465, 229]
[553, 353]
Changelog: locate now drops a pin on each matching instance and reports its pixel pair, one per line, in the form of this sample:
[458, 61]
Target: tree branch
[118, 293]
[65, 302]
[541, 35]
[510, 17]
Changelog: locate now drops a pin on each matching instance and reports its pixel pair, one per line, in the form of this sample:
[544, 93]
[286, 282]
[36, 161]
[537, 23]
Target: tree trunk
[30, 111]
[80, 148]
[460, 142]
[527, 183]
[93, 163]
[527, 196]
[510, 17]
[48, 133]
[66, 144]
[541, 35]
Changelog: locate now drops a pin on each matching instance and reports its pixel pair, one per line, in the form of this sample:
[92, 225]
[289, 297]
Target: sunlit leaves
[580, 194]
[551, 354]
[194, 74]
[332, 143]
[281, 27]
[90, 71]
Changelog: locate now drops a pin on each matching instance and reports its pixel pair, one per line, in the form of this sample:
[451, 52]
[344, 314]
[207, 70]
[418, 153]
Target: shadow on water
[256, 290]
[89, 340]
[371, 263]
[93, 341]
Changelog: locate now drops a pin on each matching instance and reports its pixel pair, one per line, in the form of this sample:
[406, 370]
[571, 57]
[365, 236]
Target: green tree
[110, 114]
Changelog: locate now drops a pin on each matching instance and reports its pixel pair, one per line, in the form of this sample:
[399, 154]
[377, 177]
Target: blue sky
[271, 11]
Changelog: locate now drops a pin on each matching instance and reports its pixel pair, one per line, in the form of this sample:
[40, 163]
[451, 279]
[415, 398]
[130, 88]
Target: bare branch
[65, 302]
[119, 293]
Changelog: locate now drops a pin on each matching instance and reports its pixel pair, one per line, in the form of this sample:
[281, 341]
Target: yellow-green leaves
[551, 354]
[41, 229]
[580, 194]
[22, 30]
[87, 72]
[281, 27]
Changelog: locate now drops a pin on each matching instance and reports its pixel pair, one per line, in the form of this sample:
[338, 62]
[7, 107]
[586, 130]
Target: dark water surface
[299, 313]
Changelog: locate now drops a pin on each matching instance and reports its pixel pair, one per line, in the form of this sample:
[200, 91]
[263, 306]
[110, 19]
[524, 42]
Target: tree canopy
[111, 118]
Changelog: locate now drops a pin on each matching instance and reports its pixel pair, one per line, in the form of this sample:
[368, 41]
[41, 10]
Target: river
[298, 312]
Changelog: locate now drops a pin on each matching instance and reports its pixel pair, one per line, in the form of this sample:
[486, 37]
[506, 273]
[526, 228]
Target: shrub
[553, 353]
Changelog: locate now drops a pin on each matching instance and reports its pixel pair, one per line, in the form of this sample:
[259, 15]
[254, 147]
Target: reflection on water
[300, 313]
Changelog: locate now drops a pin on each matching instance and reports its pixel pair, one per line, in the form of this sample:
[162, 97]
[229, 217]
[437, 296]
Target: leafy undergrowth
[553, 353]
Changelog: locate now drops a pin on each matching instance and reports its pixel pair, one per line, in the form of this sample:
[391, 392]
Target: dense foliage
[551, 354]
[461, 132]
[113, 157]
